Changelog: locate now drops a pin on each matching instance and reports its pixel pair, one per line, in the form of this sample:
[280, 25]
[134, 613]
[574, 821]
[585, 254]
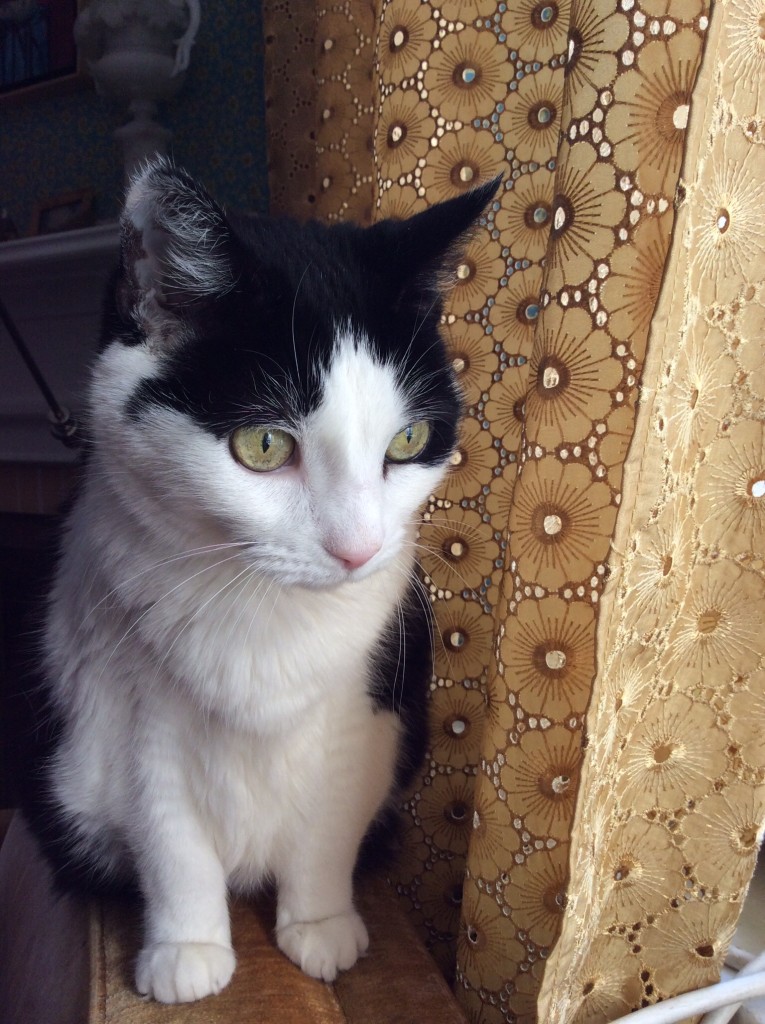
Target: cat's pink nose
[354, 558]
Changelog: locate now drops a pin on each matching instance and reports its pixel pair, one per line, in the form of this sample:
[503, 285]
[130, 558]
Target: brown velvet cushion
[63, 961]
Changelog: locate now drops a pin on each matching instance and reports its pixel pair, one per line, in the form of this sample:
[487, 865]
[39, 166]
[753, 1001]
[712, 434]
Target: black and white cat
[236, 657]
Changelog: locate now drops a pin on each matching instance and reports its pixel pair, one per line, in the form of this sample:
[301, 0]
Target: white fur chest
[245, 788]
[268, 728]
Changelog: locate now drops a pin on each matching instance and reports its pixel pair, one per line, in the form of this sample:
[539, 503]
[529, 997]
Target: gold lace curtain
[586, 824]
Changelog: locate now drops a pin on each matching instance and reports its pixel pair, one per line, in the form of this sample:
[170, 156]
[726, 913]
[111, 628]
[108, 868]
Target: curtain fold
[628, 82]
[345, 37]
[585, 607]
[672, 799]
[319, 104]
[290, 98]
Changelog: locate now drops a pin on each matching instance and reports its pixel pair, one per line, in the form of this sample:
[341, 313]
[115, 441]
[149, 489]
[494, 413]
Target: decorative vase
[138, 52]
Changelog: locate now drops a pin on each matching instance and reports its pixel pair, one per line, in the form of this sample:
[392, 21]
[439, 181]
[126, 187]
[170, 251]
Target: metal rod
[64, 426]
[31, 365]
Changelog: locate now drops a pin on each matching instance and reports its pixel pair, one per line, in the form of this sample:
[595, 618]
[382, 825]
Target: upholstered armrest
[65, 961]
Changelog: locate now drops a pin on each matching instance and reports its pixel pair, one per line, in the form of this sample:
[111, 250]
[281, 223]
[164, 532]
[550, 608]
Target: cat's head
[278, 384]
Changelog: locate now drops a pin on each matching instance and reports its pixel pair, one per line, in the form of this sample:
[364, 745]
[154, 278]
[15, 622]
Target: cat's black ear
[424, 250]
[177, 249]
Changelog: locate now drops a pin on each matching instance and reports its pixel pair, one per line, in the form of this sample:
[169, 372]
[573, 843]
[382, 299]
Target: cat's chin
[329, 581]
[313, 577]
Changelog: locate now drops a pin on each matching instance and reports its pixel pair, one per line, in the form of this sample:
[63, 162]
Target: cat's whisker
[424, 383]
[238, 590]
[458, 524]
[422, 323]
[191, 553]
[423, 597]
[419, 592]
[313, 364]
[197, 612]
[408, 379]
[292, 321]
[273, 605]
[254, 615]
[400, 659]
[264, 580]
[461, 529]
[234, 594]
[136, 622]
[409, 370]
[449, 565]
[467, 589]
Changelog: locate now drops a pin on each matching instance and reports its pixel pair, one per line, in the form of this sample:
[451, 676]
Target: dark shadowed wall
[51, 146]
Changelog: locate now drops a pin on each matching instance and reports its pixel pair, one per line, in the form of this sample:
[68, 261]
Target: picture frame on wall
[38, 55]
[64, 213]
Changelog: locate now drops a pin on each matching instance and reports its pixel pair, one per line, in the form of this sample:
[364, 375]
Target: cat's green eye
[408, 442]
[262, 449]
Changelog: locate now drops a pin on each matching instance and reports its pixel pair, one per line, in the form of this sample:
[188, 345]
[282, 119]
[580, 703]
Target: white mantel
[53, 287]
[59, 247]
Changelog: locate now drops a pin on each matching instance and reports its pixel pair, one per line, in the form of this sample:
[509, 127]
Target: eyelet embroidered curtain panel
[585, 827]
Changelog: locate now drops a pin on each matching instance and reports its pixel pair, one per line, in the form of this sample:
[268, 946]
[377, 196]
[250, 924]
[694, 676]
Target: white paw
[180, 972]
[322, 948]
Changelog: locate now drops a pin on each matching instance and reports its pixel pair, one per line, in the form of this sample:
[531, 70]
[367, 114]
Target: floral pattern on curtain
[672, 801]
[567, 670]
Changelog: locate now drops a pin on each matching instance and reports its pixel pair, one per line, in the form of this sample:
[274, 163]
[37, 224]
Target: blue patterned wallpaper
[51, 146]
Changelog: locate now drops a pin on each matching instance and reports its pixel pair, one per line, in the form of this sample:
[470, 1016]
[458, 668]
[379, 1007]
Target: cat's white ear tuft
[176, 245]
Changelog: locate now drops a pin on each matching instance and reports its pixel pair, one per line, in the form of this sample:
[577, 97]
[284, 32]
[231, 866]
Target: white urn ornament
[138, 52]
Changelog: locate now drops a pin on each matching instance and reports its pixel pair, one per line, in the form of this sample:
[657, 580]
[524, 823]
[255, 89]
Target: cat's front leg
[322, 948]
[187, 950]
[182, 972]
[317, 926]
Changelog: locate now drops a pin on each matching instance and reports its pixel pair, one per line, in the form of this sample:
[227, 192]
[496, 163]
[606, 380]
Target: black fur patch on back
[74, 870]
[32, 732]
